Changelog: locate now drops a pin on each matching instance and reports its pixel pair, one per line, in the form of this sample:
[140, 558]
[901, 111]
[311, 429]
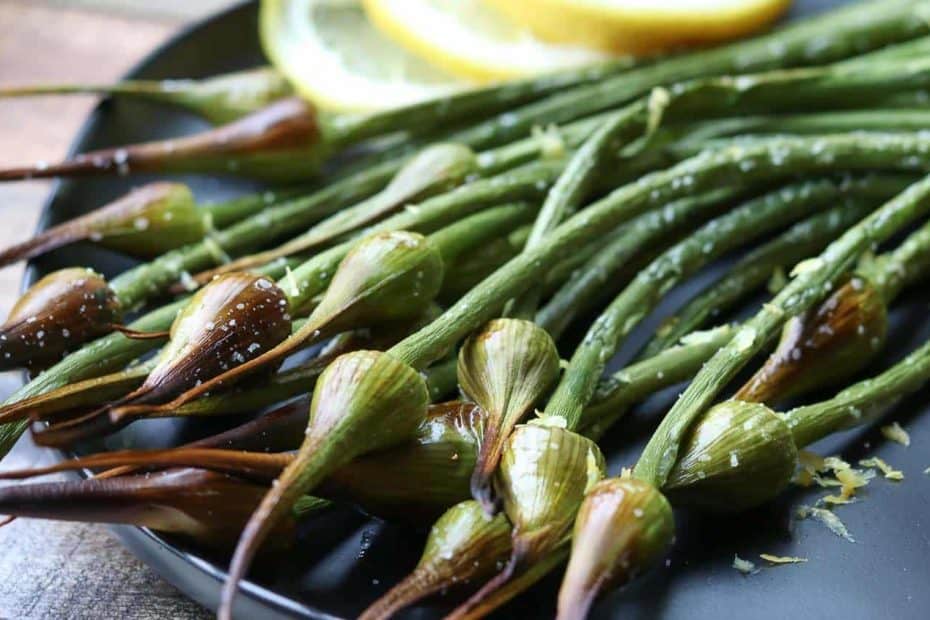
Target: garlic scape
[824, 346]
[280, 142]
[434, 170]
[545, 471]
[462, 546]
[146, 222]
[364, 401]
[56, 315]
[505, 367]
[232, 320]
[205, 507]
[385, 277]
[736, 456]
[218, 99]
[623, 527]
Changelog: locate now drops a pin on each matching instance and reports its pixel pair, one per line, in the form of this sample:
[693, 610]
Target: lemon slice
[640, 26]
[468, 39]
[337, 59]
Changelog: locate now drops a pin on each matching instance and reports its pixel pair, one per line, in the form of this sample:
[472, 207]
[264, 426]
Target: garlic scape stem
[581, 292]
[861, 402]
[756, 217]
[755, 269]
[219, 99]
[848, 32]
[763, 161]
[813, 279]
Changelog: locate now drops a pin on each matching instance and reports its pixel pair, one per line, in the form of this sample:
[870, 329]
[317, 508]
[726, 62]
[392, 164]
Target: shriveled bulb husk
[623, 527]
[418, 479]
[146, 222]
[385, 277]
[206, 507]
[505, 367]
[364, 401]
[544, 474]
[280, 142]
[57, 314]
[737, 456]
[434, 170]
[463, 545]
[232, 320]
[219, 99]
[823, 347]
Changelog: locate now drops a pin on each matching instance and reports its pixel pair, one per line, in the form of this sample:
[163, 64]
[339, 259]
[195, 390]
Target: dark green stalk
[813, 279]
[764, 161]
[756, 217]
[840, 34]
[582, 291]
[862, 402]
[900, 267]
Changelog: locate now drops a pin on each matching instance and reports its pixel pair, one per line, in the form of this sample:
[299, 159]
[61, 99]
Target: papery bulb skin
[506, 367]
[389, 276]
[364, 401]
[463, 546]
[545, 472]
[737, 456]
[823, 347]
[435, 169]
[418, 479]
[152, 220]
[57, 314]
[233, 319]
[205, 507]
[624, 526]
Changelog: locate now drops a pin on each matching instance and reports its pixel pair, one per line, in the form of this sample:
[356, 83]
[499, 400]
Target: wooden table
[52, 570]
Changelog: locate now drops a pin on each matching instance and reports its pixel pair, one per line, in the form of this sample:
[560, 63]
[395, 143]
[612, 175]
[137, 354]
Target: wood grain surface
[51, 570]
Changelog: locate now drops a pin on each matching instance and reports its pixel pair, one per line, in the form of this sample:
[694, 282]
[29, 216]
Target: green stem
[840, 34]
[764, 161]
[901, 267]
[861, 402]
[228, 212]
[580, 293]
[811, 282]
[731, 230]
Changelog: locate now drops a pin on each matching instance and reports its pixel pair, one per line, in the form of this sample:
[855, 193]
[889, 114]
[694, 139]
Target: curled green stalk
[220, 99]
[752, 219]
[813, 278]
[755, 269]
[586, 287]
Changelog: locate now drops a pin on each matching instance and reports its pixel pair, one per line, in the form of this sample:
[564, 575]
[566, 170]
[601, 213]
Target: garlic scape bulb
[218, 99]
[824, 346]
[385, 277]
[418, 479]
[505, 367]
[145, 223]
[56, 315]
[233, 319]
[434, 170]
[623, 527]
[736, 456]
[545, 472]
[205, 507]
[280, 142]
[364, 401]
[463, 546]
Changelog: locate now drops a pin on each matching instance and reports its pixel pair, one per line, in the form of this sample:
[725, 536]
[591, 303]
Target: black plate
[345, 561]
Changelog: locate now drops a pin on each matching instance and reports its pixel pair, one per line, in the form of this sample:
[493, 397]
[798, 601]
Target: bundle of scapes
[288, 139]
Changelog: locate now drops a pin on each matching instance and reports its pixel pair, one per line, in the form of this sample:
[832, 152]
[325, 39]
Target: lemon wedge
[640, 26]
[469, 39]
[334, 57]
